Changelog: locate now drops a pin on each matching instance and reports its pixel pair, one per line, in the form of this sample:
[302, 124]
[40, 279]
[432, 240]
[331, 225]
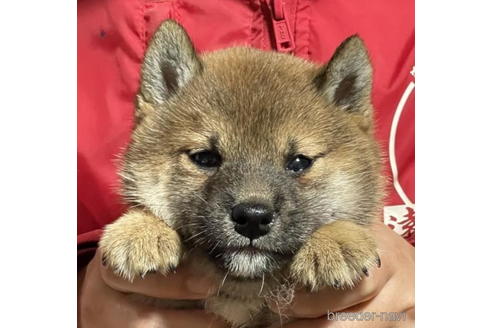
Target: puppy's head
[245, 153]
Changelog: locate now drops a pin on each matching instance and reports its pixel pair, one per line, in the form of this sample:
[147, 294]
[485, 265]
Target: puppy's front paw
[139, 243]
[336, 255]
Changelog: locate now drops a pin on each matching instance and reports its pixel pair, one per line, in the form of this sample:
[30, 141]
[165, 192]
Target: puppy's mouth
[249, 250]
[247, 262]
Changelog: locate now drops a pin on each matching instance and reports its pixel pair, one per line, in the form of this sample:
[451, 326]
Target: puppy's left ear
[346, 80]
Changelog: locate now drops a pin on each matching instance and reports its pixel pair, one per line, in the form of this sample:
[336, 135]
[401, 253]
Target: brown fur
[351, 251]
[257, 109]
[137, 243]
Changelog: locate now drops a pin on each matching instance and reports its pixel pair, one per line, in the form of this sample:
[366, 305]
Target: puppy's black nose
[252, 220]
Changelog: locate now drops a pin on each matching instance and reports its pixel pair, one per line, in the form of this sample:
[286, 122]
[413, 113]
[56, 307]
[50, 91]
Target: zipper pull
[283, 36]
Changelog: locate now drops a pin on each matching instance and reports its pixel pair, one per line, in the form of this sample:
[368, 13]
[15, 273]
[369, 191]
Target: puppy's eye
[299, 163]
[206, 159]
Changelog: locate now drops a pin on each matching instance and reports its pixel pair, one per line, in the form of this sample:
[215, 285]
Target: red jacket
[112, 38]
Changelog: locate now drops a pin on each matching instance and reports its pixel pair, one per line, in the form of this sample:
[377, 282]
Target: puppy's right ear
[169, 63]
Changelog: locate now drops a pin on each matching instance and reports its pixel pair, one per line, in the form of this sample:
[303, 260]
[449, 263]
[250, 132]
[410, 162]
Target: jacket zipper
[284, 42]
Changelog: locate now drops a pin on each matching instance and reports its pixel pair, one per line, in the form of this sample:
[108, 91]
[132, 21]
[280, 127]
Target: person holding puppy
[103, 300]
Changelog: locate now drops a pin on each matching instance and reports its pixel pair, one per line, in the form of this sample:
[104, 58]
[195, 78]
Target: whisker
[223, 282]
[195, 235]
[262, 284]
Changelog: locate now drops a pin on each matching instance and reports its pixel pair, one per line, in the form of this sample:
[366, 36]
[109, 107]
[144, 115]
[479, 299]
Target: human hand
[389, 288]
[103, 299]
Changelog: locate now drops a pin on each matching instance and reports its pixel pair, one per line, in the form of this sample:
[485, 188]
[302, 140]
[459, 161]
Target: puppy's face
[246, 153]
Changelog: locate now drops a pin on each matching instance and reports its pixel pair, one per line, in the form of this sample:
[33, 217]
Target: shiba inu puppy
[259, 166]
